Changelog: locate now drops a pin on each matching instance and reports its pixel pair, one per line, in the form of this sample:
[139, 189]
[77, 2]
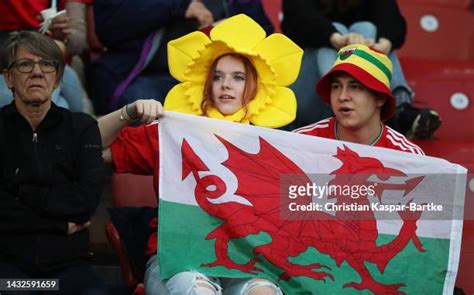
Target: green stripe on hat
[370, 58]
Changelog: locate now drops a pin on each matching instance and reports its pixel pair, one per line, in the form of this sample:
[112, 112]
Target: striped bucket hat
[371, 68]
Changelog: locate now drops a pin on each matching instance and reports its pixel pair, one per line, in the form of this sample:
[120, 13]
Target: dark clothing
[49, 177]
[128, 28]
[306, 24]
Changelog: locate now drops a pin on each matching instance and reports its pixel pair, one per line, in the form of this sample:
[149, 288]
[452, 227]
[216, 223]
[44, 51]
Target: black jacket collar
[52, 118]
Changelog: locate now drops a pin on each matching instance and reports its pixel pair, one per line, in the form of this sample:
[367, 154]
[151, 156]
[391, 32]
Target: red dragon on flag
[345, 237]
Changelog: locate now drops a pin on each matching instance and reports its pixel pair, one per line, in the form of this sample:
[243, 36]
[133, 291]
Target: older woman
[51, 176]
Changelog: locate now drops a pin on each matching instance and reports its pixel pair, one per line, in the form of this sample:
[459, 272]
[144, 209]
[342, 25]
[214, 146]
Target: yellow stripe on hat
[376, 64]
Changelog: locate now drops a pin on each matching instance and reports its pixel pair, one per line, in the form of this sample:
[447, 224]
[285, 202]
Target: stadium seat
[437, 30]
[460, 152]
[129, 191]
[447, 87]
[463, 4]
[273, 11]
[130, 277]
[464, 279]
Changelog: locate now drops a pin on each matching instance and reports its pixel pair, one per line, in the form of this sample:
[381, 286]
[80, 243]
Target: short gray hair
[37, 44]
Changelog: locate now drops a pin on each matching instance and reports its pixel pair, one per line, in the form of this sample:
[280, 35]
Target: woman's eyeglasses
[27, 65]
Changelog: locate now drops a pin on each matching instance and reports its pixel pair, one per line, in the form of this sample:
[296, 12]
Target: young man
[51, 173]
[358, 89]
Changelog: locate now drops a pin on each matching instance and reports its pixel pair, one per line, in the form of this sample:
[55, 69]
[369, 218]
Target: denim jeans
[148, 87]
[311, 108]
[68, 95]
[326, 56]
[71, 90]
[183, 283]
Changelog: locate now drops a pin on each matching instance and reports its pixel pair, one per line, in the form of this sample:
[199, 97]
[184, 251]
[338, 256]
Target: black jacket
[305, 23]
[49, 177]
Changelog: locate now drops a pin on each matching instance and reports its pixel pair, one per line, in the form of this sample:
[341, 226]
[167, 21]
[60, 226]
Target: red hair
[250, 90]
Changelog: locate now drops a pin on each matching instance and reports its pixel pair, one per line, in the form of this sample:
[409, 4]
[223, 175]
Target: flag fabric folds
[311, 214]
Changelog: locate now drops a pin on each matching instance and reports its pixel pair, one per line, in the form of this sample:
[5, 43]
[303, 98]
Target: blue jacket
[128, 29]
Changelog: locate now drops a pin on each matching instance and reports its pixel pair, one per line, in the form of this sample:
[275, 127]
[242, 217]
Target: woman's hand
[145, 110]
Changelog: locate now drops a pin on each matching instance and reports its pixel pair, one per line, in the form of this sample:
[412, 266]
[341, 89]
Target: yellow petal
[264, 72]
[280, 112]
[182, 53]
[261, 99]
[283, 56]
[200, 69]
[178, 101]
[239, 32]
[195, 94]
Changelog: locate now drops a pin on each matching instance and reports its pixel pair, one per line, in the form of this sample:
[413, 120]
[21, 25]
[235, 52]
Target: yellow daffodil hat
[276, 59]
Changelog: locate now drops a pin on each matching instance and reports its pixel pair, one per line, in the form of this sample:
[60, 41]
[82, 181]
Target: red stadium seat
[437, 30]
[130, 277]
[129, 190]
[464, 279]
[460, 152]
[464, 4]
[273, 10]
[448, 88]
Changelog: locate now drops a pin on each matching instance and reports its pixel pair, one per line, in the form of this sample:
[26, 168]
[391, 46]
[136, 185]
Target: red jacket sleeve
[136, 150]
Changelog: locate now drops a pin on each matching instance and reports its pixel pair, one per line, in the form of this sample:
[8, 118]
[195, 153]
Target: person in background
[71, 28]
[68, 31]
[322, 27]
[231, 81]
[51, 176]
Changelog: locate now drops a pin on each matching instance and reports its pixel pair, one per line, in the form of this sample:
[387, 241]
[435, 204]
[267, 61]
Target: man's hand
[59, 28]
[383, 45]
[338, 40]
[59, 31]
[199, 11]
[75, 227]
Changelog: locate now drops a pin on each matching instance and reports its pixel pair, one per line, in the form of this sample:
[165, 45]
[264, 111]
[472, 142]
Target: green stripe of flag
[183, 246]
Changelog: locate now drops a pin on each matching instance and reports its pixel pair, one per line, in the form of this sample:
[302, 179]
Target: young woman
[226, 77]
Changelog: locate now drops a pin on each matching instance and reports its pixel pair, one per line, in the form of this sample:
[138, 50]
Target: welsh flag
[316, 216]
